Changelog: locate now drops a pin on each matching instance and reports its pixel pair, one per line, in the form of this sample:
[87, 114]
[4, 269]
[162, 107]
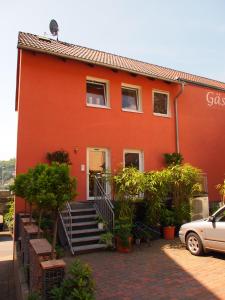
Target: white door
[97, 164]
[133, 158]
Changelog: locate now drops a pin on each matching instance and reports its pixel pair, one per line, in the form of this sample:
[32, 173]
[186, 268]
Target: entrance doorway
[97, 164]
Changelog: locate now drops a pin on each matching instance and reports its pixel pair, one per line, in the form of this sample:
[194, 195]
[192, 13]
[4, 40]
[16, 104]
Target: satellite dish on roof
[54, 28]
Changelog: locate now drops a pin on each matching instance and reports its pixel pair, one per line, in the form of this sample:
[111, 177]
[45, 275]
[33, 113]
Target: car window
[220, 217]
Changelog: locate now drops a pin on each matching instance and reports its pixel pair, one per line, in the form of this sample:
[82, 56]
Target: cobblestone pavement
[7, 287]
[165, 270]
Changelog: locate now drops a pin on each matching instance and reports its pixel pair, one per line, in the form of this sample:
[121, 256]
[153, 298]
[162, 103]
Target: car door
[214, 232]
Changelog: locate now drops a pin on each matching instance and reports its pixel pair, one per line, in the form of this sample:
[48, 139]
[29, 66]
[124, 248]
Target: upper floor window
[131, 98]
[161, 103]
[96, 92]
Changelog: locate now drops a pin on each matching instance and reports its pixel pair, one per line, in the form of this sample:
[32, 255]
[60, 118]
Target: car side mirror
[212, 219]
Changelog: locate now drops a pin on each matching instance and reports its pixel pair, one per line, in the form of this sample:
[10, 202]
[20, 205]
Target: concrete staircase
[85, 233]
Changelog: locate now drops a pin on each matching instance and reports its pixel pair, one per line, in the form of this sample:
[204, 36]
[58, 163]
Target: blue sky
[184, 35]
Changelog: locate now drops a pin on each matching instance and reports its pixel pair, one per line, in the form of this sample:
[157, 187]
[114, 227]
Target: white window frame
[141, 157]
[102, 81]
[139, 97]
[168, 103]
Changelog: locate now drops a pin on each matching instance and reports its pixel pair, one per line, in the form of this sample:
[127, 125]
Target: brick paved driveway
[165, 270]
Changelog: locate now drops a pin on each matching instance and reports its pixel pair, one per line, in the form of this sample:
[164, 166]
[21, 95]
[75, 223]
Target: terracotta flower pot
[123, 249]
[169, 232]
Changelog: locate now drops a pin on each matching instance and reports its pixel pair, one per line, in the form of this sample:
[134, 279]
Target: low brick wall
[40, 250]
[53, 272]
[33, 268]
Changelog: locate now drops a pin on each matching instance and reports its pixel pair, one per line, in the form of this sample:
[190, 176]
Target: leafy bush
[34, 296]
[184, 184]
[156, 188]
[78, 286]
[9, 215]
[128, 183]
[123, 230]
[107, 238]
[167, 217]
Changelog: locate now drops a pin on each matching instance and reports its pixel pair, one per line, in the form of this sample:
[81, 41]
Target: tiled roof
[58, 48]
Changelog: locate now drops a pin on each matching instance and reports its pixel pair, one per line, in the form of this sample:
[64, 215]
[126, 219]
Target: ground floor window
[133, 158]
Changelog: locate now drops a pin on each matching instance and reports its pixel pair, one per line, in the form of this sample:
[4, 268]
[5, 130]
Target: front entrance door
[97, 164]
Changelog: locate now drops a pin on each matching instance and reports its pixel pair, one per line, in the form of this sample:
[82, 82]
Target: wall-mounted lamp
[75, 150]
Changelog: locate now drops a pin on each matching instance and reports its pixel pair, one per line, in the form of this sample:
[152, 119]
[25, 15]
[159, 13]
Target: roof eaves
[201, 84]
[96, 63]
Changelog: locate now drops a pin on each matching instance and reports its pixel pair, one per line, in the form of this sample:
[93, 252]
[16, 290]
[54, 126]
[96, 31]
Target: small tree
[56, 188]
[221, 189]
[21, 188]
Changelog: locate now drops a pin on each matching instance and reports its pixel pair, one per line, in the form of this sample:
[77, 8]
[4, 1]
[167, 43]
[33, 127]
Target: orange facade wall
[53, 115]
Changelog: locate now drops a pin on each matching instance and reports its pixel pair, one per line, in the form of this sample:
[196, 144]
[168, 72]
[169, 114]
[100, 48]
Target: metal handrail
[102, 203]
[67, 212]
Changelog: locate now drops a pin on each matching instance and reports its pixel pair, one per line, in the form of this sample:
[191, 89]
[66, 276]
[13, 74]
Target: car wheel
[194, 244]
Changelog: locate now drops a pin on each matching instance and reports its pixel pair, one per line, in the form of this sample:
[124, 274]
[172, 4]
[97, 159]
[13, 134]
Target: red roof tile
[53, 47]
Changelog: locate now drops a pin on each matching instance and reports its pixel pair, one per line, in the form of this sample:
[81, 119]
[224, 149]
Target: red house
[107, 110]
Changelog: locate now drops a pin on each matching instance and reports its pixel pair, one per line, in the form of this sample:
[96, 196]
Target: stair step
[81, 217]
[80, 205]
[80, 224]
[87, 248]
[78, 210]
[85, 231]
[85, 239]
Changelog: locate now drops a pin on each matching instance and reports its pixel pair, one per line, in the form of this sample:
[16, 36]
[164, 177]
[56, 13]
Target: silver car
[204, 235]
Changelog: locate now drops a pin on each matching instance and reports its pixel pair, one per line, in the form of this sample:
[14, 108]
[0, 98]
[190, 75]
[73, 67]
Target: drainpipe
[176, 116]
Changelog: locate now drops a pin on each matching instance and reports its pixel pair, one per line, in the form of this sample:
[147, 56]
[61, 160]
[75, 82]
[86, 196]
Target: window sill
[98, 106]
[162, 115]
[132, 111]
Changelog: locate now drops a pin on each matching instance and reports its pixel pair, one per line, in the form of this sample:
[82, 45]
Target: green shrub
[34, 296]
[78, 286]
[107, 238]
[156, 188]
[9, 215]
[123, 230]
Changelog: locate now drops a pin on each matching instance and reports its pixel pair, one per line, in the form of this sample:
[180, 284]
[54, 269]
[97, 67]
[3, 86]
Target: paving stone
[166, 270]
[7, 286]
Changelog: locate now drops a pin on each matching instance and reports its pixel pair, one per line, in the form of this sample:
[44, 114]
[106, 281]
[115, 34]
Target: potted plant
[101, 222]
[168, 221]
[123, 235]
[107, 238]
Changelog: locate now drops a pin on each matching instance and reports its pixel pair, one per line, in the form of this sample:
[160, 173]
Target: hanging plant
[172, 159]
[60, 156]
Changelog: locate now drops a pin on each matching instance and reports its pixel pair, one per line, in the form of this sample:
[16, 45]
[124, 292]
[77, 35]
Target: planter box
[30, 232]
[53, 272]
[39, 251]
